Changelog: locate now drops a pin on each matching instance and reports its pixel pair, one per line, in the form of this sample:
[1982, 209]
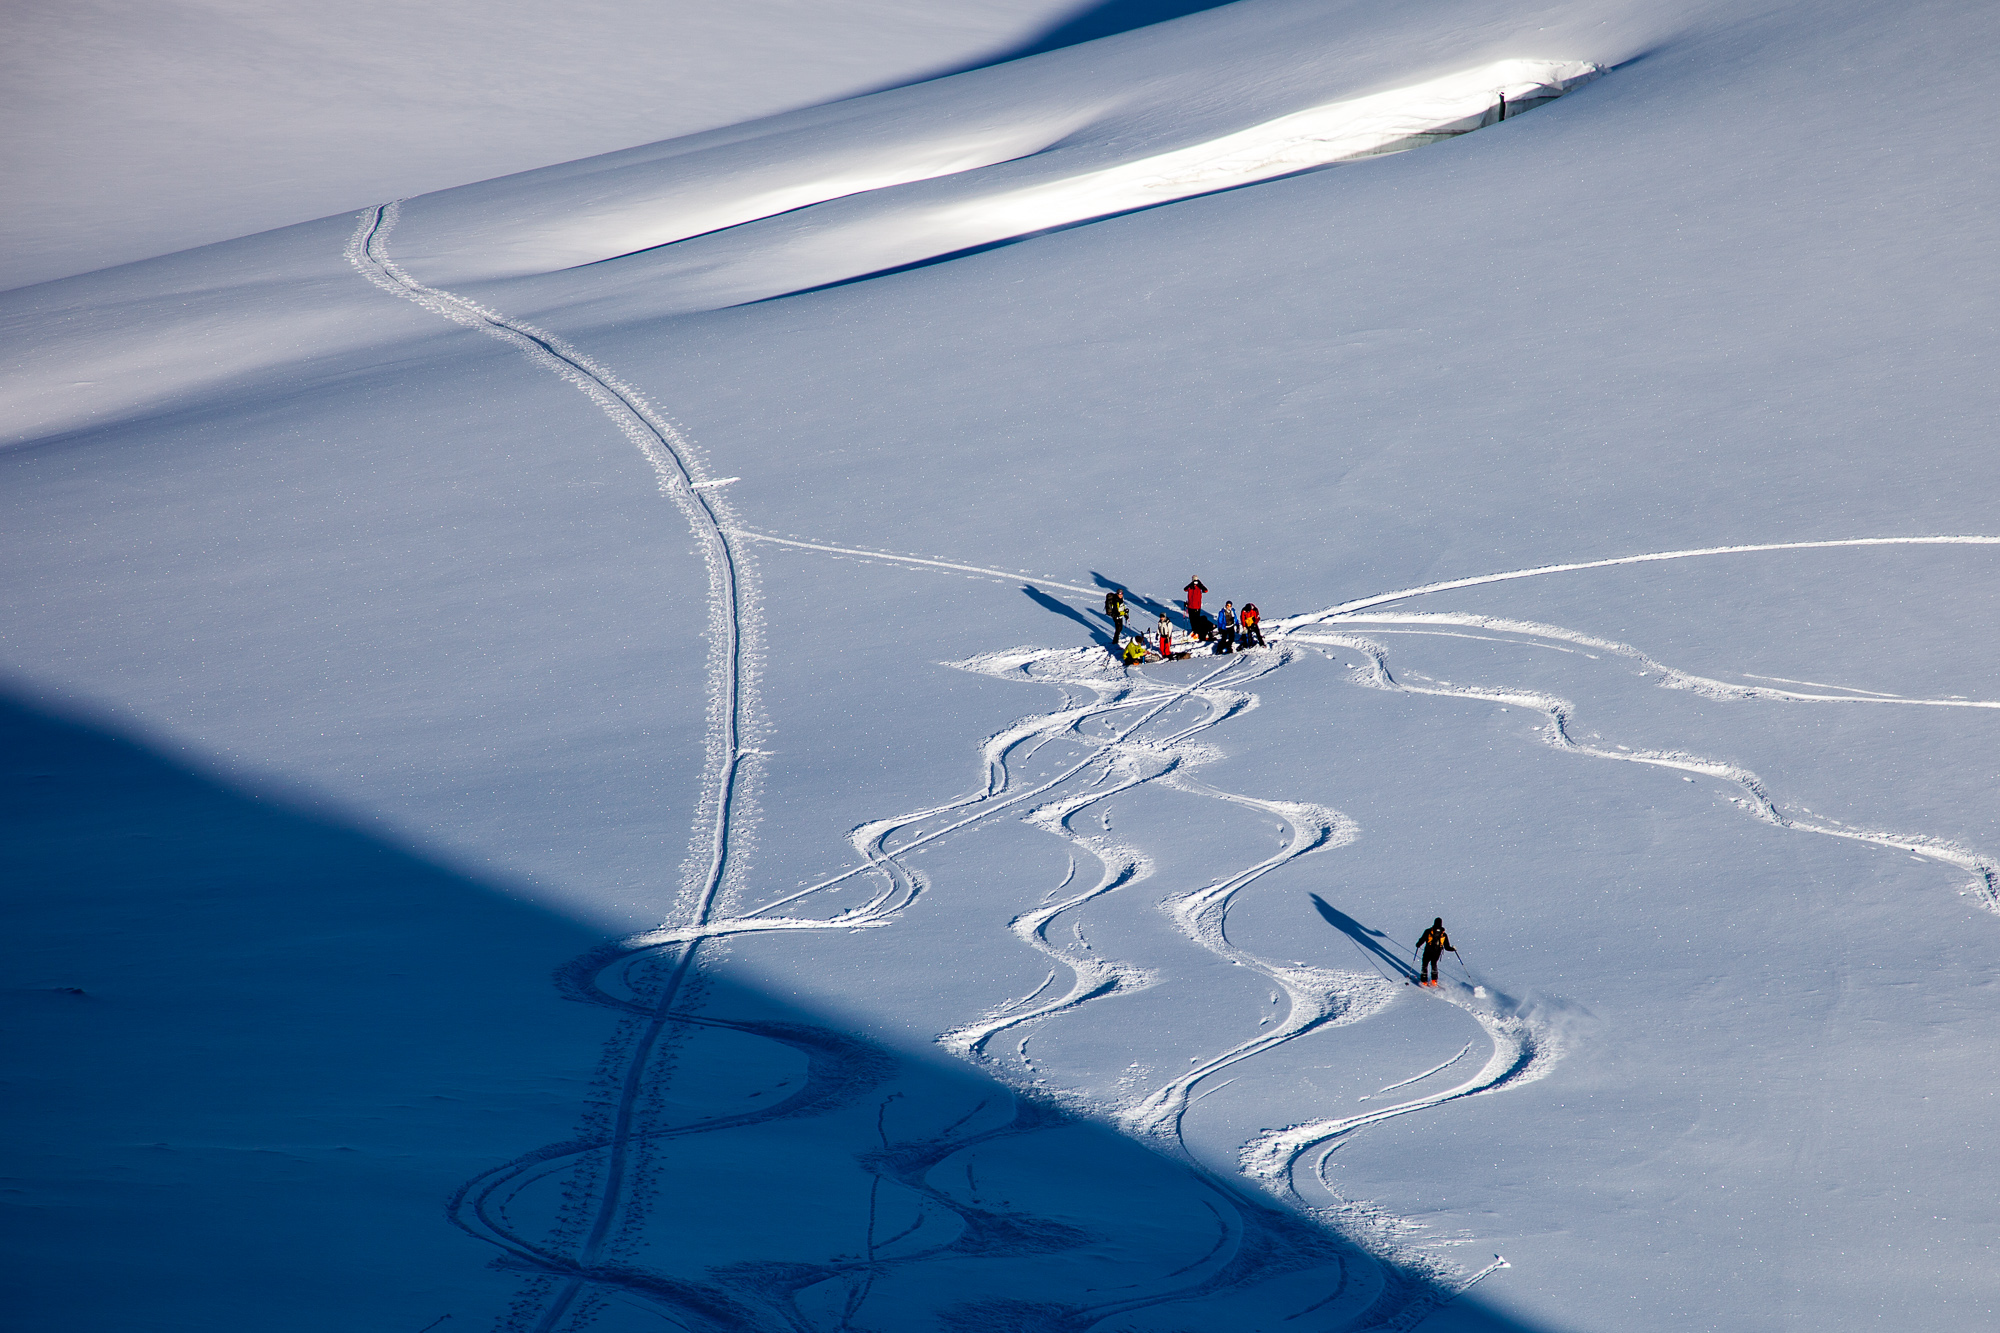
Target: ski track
[1983, 886]
[1672, 677]
[725, 806]
[1463, 1051]
[658, 966]
[1525, 1048]
[1091, 977]
[891, 557]
[1524, 1045]
[1650, 557]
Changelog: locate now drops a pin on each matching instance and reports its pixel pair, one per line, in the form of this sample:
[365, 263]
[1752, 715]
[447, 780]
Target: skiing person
[1435, 944]
[1226, 629]
[1194, 590]
[1166, 640]
[1135, 651]
[1114, 606]
[1250, 626]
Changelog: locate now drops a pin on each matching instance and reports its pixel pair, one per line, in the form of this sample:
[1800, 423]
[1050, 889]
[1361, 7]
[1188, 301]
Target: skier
[1114, 606]
[1435, 944]
[1250, 626]
[1194, 590]
[1135, 651]
[1166, 640]
[1226, 629]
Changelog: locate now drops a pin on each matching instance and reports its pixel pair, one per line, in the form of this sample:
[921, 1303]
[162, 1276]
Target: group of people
[1227, 631]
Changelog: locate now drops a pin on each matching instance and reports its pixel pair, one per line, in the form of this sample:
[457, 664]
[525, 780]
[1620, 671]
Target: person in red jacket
[1199, 625]
[1251, 627]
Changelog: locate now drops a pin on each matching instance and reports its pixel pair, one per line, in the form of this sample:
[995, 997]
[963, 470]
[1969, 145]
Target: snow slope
[678, 572]
[132, 133]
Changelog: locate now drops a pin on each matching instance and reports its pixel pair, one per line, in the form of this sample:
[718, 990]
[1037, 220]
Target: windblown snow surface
[562, 768]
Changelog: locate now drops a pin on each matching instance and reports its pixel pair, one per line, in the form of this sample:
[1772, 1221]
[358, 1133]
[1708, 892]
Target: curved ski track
[1984, 885]
[1524, 1047]
[657, 967]
[605, 1164]
[725, 799]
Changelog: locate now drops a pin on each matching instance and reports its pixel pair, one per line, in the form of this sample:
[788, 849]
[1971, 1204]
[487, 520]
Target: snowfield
[564, 769]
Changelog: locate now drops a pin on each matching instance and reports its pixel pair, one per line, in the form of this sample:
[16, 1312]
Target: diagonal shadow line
[1369, 941]
[1140, 600]
[1099, 634]
[1108, 18]
[348, 992]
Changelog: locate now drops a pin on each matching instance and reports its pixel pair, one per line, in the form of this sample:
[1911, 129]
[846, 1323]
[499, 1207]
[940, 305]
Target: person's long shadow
[1140, 600]
[263, 1050]
[1369, 941]
[1099, 634]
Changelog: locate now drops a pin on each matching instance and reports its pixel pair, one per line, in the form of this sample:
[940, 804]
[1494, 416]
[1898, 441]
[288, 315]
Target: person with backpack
[1225, 629]
[1435, 944]
[1114, 607]
[1250, 627]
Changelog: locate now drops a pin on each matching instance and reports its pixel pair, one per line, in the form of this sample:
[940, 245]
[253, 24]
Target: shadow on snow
[1140, 600]
[265, 1050]
[1368, 941]
[1107, 18]
[1099, 634]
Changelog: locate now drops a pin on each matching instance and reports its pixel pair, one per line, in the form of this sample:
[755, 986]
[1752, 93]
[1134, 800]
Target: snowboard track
[659, 970]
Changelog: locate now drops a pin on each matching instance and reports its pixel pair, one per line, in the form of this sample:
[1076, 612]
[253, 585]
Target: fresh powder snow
[566, 766]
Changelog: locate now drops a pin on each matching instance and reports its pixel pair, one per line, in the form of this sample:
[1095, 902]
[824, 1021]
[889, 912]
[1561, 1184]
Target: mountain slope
[686, 542]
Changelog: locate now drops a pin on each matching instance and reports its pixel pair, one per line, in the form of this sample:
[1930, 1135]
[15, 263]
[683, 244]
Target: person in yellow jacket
[1435, 944]
[1135, 651]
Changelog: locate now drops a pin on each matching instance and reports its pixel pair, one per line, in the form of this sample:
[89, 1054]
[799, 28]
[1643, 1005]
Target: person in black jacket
[1435, 944]
[1114, 606]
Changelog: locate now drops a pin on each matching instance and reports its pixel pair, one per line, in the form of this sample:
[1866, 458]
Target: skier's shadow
[1366, 939]
[1099, 634]
[1131, 598]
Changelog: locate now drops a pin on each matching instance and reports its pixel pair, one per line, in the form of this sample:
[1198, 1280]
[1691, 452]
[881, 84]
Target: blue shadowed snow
[242, 1029]
[1615, 482]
